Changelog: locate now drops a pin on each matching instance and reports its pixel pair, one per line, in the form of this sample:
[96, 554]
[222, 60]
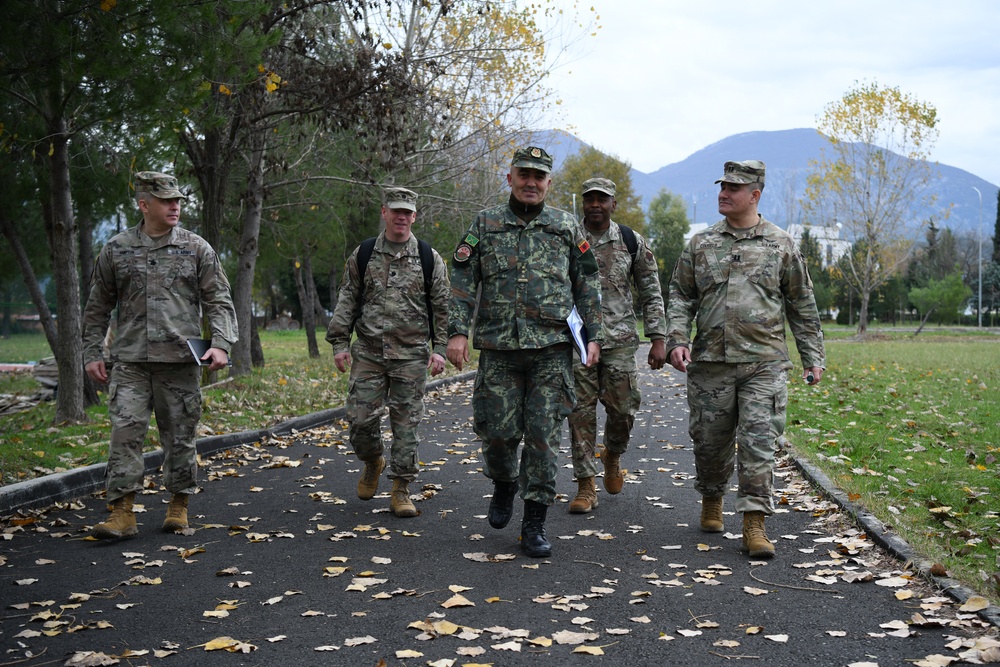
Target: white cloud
[664, 78]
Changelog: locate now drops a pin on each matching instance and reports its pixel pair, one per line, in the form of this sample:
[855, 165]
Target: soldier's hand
[218, 358]
[343, 361]
[680, 357]
[97, 371]
[812, 375]
[436, 364]
[458, 350]
[657, 354]
[593, 354]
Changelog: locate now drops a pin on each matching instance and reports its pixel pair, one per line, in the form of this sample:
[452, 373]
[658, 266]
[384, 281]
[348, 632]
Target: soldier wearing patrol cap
[740, 281]
[402, 312]
[625, 259]
[530, 265]
[162, 279]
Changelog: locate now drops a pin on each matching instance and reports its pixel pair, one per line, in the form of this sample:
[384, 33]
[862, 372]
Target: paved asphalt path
[310, 575]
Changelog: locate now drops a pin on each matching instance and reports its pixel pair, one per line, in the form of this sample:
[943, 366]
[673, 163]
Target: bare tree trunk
[306, 302]
[69, 352]
[247, 259]
[256, 349]
[334, 291]
[30, 281]
[319, 312]
[863, 314]
[86, 258]
[927, 316]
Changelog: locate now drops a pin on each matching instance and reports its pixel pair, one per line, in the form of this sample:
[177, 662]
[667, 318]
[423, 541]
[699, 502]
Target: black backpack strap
[629, 237]
[427, 264]
[364, 255]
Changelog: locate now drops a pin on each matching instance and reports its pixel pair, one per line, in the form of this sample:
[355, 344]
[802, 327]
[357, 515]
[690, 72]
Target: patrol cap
[748, 171]
[401, 198]
[532, 157]
[161, 186]
[605, 185]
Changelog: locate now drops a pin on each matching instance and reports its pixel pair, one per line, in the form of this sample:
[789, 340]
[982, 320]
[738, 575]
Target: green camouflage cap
[161, 186]
[748, 171]
[605, 185]
[532, 158]
[401, 198]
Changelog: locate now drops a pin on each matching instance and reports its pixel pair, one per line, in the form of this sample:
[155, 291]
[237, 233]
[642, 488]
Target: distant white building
[831, 246]
[694, 229]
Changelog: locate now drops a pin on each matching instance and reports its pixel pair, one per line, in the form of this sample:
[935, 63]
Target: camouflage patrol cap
[161, 186]
[532, 158]
[400, 198]
[748, 171]
[605, 185]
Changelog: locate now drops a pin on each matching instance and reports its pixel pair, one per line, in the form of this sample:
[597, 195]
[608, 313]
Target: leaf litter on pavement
[829, 554]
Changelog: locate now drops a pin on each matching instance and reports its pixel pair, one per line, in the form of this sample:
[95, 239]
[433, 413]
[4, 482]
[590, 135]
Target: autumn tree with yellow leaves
[872, 181]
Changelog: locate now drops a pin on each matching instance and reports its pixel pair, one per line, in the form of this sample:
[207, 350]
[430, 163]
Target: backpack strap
[630, 242]
[364, 255]
[426, 264]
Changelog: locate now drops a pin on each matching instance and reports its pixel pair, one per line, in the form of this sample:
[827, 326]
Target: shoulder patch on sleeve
[584, 246]
[463, 252]
[471, 240]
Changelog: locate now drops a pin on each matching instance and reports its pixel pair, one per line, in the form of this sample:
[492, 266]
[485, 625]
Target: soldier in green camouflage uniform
[162, 279]
[533, 265]
[390, 358]
[740, 281]
[614, 380]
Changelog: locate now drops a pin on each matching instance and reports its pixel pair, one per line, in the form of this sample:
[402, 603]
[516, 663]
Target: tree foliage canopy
[872, 180]
[589, 162]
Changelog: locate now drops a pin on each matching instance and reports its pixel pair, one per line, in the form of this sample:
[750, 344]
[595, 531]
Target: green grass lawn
[908, 426]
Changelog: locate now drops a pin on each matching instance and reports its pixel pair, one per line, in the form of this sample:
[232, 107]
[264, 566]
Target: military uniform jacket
[617, 273]
[531, 275]
[393, 322]
[743, 284]
[160, 288]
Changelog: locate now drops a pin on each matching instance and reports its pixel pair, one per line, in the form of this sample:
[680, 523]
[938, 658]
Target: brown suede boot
[400, 502]
[122, 520]
[177, 513]
[586, 496]
[754, 538]
[368, 484]
[711, 514]
[613, 478]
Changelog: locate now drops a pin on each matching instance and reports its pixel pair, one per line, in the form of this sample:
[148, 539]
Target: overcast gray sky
[664, 78]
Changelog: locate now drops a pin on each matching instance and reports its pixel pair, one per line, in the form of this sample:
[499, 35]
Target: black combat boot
[533, 530]
[502, 504]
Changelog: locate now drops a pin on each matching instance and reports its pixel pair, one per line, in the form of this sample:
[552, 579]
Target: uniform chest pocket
[180, 270]
[762, 266]
[130, 267]
[498, 253]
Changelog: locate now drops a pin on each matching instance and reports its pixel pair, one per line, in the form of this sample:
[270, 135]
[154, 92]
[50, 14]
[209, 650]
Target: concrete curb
[886, 538]
[65, 486]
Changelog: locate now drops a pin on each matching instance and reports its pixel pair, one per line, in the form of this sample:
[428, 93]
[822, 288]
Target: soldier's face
[597, 209]
[160, 215]
[398, 222]
[736, 199]
[528, 185]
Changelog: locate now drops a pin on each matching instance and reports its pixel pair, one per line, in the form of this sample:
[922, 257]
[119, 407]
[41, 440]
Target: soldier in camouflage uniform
[162, 279]
[532, 264]
[740, 281]
[390, 358]
[614, 380]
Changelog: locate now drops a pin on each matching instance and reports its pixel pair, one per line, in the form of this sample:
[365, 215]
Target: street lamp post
[980, 255]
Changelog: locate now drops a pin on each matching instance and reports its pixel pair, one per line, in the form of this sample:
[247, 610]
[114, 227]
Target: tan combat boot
[586, 496]
[122, 520]
[754, 538]
[613, 478]
[177, 513]
[711, 514]
[399, 501]
[368, 484]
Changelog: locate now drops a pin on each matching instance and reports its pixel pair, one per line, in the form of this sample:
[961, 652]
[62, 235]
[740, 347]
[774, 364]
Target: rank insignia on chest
[463, 253]
[471, 240]
[584, 246]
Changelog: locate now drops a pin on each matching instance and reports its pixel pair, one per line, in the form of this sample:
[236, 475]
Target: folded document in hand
[579, 333]
[199, 347]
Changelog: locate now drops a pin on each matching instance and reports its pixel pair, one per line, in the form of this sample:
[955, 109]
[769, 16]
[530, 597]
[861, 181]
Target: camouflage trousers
[173, 393]
[523, 394]
[376, 383]
[615, 382]
[737, 414]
